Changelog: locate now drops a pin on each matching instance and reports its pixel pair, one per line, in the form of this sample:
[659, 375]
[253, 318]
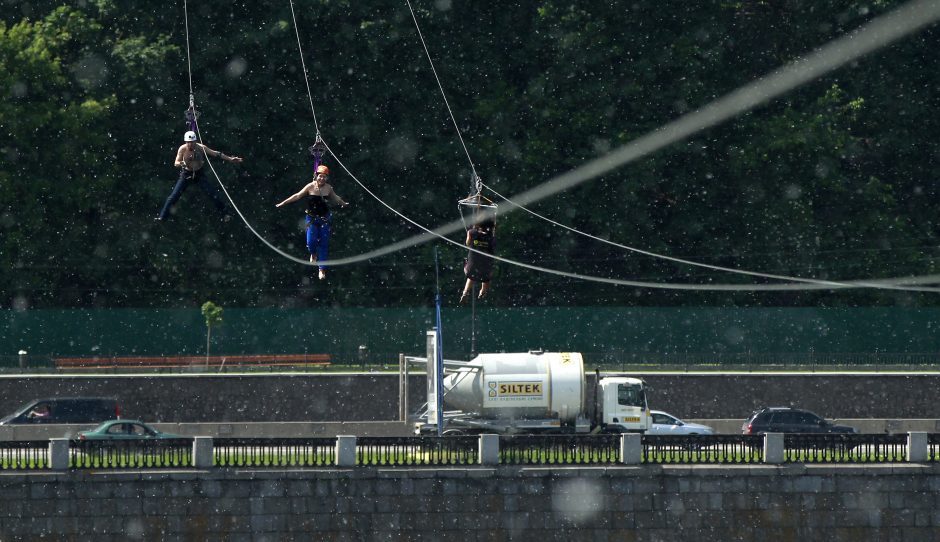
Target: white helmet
[189, 136]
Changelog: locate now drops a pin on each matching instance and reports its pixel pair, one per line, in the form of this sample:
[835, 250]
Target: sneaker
[322, 274]
[463, 297]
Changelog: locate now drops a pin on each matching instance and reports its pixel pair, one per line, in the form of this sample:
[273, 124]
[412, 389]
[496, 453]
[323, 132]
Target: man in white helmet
[190, 158]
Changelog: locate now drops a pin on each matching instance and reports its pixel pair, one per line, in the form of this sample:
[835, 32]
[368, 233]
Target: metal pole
[407, 410]
[401, 368]
[401, 387]
[473, 320]
[440, 352]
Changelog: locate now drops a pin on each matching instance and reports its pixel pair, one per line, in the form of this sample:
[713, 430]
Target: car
[790, 420]
[125, 430]
[663, 423]
[65, 410]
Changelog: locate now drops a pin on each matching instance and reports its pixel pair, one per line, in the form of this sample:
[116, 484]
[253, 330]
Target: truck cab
[623, 405]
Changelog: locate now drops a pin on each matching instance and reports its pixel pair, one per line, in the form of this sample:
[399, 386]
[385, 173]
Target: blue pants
[188, 178]
[318, 236]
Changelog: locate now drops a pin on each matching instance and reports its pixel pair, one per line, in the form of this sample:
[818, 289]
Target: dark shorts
[477, 272]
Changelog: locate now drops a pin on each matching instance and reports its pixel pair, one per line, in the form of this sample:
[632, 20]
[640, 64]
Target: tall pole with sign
[439, 357]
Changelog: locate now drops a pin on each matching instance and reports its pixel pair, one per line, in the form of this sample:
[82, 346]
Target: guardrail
[710, 449]
[351, 451]
[130, 454]
[559, 450]
[274, 452]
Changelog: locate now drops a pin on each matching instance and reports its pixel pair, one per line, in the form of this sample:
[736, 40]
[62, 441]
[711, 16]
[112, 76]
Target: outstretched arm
[335, 199]
[295, 197]
[223, 156]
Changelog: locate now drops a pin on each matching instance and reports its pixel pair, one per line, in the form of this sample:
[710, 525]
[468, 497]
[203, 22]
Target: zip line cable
[189, 67]
[882, 31]
[888, 28]
[446, 103]
[901, 283]
[579, 232]
[303, 64]
[663, 256]
[578, 173]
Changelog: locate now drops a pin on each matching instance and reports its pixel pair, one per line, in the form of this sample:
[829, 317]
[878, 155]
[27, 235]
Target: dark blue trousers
[188, 178]
[318, 236]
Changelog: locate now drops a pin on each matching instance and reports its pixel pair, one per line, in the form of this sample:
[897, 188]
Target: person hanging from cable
[479, 267]
[319, 218]
[190, 158]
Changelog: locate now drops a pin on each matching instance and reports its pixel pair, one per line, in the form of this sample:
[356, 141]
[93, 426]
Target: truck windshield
[631, 395]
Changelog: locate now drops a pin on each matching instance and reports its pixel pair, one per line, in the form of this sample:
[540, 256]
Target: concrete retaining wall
[648, 503]
[374, 396]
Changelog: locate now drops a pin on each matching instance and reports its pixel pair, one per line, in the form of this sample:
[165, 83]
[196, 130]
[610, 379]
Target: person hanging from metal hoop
[319, 218]
[190, 158]
[479, 267]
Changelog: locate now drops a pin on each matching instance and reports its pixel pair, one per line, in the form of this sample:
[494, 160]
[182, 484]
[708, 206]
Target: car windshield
[631, 395]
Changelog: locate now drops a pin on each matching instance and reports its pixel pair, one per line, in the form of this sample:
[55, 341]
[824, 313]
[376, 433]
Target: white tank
[522, 385]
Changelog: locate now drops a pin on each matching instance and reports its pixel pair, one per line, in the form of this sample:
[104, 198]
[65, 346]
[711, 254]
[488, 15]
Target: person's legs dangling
[312, 236]
[182, 184]
[212, 190]
[323, 242]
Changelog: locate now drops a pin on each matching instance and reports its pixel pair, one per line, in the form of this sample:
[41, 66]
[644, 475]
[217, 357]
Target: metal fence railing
[274, 452]
[24, 455]
[559, 449]
[130, 454]
[411, 451]
[431, 451]
[838, 448]
[711, 449]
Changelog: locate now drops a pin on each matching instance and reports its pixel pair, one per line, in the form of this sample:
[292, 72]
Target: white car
[664, 423]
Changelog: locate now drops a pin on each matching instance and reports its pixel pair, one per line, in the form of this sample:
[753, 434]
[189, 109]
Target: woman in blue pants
[319, 194]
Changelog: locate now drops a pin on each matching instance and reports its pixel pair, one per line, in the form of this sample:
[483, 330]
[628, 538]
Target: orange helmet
[323, 169]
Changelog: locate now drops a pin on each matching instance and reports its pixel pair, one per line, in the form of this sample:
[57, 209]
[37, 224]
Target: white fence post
[773, 448]
[918, 451]
[345, 451]
[631, 448]
[203, 452]
[489, 450]
[59, 453]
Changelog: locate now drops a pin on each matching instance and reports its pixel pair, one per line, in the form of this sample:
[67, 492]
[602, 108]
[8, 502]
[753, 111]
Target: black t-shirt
[480, 266]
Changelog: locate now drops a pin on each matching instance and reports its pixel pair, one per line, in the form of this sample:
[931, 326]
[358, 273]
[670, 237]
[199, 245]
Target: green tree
[213, 315]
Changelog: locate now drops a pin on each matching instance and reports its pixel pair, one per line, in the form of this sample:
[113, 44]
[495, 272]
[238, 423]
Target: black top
[317, 206]
[479, 266]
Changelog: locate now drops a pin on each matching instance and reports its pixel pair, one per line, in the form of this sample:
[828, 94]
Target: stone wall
[374, 396]
[646, 503]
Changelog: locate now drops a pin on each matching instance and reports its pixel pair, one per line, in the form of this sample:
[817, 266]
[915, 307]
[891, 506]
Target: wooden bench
[174, 362]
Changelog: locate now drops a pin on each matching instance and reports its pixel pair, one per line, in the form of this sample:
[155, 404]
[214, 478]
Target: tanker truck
[531, 393]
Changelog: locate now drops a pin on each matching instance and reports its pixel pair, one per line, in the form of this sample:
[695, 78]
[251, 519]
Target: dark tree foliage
[836, 180]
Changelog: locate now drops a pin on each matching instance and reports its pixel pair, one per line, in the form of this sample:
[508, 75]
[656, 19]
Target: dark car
[61, 410]
[790, 420]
